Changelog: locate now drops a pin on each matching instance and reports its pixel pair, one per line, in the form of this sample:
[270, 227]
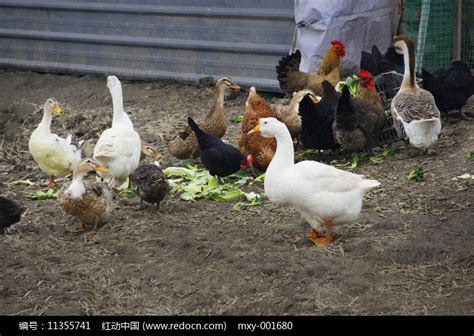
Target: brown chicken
[366, 89]
[289, 114]
[183, 144]
[262, 149]
[292, 80]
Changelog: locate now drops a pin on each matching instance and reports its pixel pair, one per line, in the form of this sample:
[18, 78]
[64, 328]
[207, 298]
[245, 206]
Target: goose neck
[284, 155]
[117, 103]
[409, 71]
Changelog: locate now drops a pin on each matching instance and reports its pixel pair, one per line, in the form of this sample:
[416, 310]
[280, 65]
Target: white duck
[55, 155]
[322, 194]
[415, 114]
[118, 147]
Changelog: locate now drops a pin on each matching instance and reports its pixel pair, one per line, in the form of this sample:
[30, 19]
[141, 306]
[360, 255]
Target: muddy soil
[410, 252]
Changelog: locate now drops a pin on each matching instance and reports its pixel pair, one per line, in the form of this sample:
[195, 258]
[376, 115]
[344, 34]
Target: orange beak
[255, 129]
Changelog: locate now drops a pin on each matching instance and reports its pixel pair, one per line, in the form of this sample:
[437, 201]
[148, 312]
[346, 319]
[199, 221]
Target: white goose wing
[323, 177]
[117, 142]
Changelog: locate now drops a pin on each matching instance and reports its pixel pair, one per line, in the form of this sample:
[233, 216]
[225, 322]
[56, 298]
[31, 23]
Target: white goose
[415, 114]
[55, 155]
[322, 194]
[118, 147]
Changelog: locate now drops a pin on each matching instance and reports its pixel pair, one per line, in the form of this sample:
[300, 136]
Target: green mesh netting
[467, 32]
[437, 31]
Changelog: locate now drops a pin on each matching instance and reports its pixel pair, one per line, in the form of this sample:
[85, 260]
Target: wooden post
[458, 27]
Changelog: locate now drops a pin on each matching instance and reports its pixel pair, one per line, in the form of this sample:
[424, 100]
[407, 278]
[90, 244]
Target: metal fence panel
[149, 39]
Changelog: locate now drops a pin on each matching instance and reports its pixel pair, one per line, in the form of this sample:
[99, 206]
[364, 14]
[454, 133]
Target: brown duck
[183, 144]
[89, 201]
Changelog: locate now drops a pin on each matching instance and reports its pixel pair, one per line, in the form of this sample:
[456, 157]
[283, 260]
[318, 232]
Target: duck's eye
[265, 122]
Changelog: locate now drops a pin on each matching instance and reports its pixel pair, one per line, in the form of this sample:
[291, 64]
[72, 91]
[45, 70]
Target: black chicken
[376, 63]
[317, 119]
[451, 88]
[358, 122]
[151, 183]
[219, 158]
[10, 213]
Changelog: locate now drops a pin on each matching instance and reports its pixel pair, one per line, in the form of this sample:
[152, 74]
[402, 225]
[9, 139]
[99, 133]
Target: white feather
[118, 147]
[317, 191]
[55, 155]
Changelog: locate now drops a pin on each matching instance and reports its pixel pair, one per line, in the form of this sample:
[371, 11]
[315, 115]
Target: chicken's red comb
[364, 74]
[339, 43]
[250, 159]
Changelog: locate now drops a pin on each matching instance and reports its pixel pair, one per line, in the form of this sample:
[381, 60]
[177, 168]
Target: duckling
[10, 213]
[184, 144]
[324, 195]
[415, 115]
[151, 183]
[149, 179]
[118, 147]
[219, 158]
[56, 156]
[90, 202]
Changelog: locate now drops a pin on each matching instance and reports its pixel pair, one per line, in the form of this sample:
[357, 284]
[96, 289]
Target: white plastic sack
[358, 24]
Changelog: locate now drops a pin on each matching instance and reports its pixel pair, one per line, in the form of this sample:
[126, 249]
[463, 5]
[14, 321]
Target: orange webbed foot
[320, 241]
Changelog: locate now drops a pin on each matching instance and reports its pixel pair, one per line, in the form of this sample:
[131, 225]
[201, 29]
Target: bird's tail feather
[194, 127]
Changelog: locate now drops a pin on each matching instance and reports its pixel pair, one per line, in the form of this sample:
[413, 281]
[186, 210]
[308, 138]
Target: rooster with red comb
[360, 119]
[292, 80]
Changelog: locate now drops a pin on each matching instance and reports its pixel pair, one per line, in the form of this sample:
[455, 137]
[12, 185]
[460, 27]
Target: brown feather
[93, 207]
[262, 149]
[292, 80]
[184, 144]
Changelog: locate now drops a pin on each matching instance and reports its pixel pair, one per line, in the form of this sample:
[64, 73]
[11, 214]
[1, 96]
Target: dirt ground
[410, 252]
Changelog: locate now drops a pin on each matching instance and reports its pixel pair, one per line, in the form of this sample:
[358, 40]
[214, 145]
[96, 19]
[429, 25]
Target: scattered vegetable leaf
[377, 159]
[193, 183]
[253, 199]
[347, 165]
[470, 156]
[128, 192]
[236, 119]
[22, 182]
[416, 174]
[41, 195]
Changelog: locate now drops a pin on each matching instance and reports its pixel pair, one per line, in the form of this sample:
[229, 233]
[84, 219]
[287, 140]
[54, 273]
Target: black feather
[287, 64]
[10, 213]
[317, 119]
[376, 63]
[219, 158]
[451, 88]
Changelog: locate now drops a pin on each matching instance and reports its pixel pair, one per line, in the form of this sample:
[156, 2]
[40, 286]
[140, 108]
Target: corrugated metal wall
[149, 39]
